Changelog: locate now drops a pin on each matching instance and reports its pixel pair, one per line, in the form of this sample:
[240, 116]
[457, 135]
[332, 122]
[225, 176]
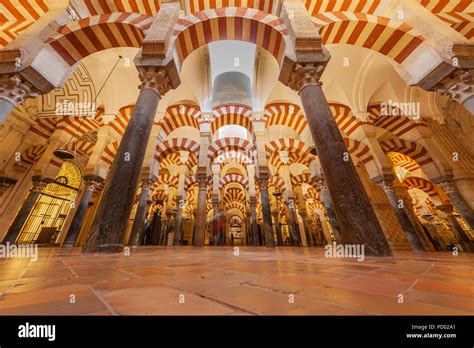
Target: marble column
[178, 232]
[215, 223]
[293, 226]
[461, 235]
[157, 227]
[319, 238]
[328, 205]
[356, 216]
[276, 217]
[253, 217]
[266, 212]
[248, 224]
[138, 227]
[307, 229]
[398, 206]
[450, 188]
[110, 222]
[24, 212]
[201, 213]
[90, 183]
[13, 91]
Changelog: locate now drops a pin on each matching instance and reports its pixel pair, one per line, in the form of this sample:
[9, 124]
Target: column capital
[297, 75]
[159, 78]
[321, 184]
[15, 88]
[458, 85]
[447, 185]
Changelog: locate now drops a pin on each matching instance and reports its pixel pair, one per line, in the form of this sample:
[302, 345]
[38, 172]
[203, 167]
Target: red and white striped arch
[268, 6]
[119, 124]
[232, 114]
[420, 183]
[299, 152]
[77, 40]
[18, 15]
[389, 37]
[230, 23]
[32, 154]
[167, 179]
[235, 205]
[403, 161]
[345, 119]
[398, 125]
[315, 7]
[234, 194]
[83, 148]
[304, 178]
[358, 150]
[233, 178]
[285, 114]
[177, 144]
[277, 182]
[221, 146]
[109, 152]
[180, 116]
[459, 14]
[232, 156]
[77, 126]
[44, 127]
[413, 150]
[97, 7]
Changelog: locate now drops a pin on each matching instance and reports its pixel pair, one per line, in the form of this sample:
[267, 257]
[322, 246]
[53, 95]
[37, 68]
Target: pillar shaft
[331, 212]
[178, 233]
[201, 213]
[307, 229]
[80, 213]
[110, 222]
[24, 211]
[138, 227]
[398, 206]
[449, 187]
[294, 230]
[276, 217]
[356, 217]
[215, 224]
[266, 212]
[254, 226]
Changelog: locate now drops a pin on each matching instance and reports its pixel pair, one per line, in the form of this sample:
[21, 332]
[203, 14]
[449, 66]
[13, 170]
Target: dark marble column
[307, 229]
[355, 214]
[398, 206]
[38, 185]
[268, 237]
[110, 222]
[462, 236]
[319, 237]
[157, 227]
[138, 227]
[215, 223]
[90, 182]
[450, 188]
[327, 203]
[248, 224]
[276, 218]
[254, 226]
[178, 232]
[433, 232]
[201, 213]
[293, 225]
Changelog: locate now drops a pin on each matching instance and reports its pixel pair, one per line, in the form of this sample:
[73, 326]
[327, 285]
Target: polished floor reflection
[215, 281]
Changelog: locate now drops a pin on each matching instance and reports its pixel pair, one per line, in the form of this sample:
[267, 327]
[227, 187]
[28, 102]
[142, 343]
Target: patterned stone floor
[184, 280]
